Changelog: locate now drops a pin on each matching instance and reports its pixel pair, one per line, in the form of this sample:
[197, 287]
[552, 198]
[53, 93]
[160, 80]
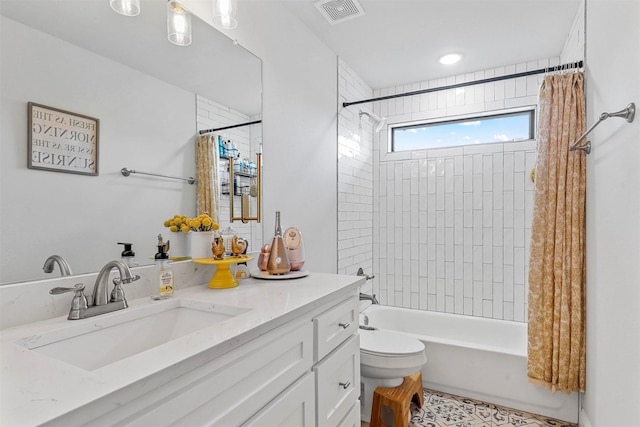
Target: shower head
[378, 121]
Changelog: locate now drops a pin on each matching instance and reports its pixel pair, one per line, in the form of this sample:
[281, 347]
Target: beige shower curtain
[556, 345]
[207, 160]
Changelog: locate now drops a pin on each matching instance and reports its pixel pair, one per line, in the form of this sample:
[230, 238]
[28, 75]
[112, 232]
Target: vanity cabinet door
[334, 326]
[294, 407]
[353, 417]
[338, 383]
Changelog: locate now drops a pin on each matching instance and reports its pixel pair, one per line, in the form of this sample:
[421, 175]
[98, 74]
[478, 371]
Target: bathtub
[474, 357]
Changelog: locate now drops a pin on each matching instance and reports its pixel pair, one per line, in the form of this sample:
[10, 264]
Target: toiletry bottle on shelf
[220, 147]
[128, 256]
[164, 272]
[278, 262]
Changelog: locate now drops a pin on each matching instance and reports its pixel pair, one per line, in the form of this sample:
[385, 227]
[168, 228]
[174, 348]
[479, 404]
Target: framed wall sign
[62, 141]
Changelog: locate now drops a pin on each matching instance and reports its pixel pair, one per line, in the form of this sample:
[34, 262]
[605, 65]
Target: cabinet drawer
[334, 326]
[338, 383]
[294, 407]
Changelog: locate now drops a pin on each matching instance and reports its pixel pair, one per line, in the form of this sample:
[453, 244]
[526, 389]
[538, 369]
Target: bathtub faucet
[366, 276]
[367, 297]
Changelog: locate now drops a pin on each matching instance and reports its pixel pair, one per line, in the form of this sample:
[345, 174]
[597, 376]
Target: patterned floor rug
[446, 410]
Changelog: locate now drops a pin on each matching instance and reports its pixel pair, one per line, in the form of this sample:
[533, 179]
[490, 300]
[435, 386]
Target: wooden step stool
[398, 400]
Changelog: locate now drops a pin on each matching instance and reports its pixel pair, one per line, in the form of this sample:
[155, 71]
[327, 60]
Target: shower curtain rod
[230, 127]
[568, 66]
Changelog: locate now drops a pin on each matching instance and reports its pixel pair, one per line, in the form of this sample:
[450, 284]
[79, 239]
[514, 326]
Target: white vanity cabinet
[304, 372]
[294, 407]
[327, 396]
[337, 364]
[225, 391]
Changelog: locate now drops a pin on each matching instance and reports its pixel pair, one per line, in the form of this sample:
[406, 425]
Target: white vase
[179, 245]
[200, 244]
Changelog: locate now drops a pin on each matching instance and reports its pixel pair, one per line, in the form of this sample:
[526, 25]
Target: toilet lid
[389, 343]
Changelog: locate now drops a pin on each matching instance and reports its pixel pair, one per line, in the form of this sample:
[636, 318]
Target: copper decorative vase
[278, 262]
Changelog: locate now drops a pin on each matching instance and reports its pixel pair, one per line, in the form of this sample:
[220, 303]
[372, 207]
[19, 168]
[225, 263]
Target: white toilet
[385, 359]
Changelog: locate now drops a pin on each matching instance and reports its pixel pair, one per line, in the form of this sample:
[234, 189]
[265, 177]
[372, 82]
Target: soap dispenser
[128, 256]
[164, 272]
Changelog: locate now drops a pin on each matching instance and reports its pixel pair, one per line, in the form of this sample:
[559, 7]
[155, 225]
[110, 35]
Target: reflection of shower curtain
[556, 344]
[207, 159]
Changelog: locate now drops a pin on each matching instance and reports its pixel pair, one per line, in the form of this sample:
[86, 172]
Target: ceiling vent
[336, 11]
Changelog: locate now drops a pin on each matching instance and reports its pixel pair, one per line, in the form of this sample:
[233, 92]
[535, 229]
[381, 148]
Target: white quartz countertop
[35, 388]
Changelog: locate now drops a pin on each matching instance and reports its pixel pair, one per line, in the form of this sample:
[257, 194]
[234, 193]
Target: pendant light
[225, 13]
[178, 24]
[126, 7]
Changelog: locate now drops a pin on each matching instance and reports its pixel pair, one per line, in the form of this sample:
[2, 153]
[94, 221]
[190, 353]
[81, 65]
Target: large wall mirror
[150, 97]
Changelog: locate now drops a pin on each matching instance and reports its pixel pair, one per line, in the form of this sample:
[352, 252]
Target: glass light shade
[178, 24]
[225, 13]
[126, 7]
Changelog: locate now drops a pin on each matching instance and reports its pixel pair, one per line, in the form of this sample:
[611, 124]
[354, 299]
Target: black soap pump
[127, 255]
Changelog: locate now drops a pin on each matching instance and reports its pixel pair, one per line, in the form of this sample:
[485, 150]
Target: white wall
[299, 125]
[613, 217]
[145, 124]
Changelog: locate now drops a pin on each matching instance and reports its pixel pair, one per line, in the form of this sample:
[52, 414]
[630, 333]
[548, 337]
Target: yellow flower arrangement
[202, 222]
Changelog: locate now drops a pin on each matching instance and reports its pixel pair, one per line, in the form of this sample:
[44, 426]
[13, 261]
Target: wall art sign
[62, 141]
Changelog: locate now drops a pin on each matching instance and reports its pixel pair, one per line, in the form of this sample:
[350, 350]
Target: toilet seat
[384, 349]
[389, 343]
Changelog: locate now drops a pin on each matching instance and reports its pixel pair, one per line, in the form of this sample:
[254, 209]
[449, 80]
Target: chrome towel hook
[628, 114]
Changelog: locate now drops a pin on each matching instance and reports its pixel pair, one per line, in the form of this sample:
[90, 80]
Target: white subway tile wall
[451, 226]
[211, 115]
[355, 177]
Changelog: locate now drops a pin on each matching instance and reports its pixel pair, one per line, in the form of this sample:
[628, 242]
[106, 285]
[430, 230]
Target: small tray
[259, 274]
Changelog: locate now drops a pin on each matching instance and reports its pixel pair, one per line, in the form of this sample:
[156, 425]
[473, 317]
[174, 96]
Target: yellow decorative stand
[223, 278]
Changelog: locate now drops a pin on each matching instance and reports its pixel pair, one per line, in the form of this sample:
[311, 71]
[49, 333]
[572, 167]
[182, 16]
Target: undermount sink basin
[99, 341]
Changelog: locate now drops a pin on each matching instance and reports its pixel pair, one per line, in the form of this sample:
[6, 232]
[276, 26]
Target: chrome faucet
[101, 301]
[367, 297]
[65, 269]
[101, 287]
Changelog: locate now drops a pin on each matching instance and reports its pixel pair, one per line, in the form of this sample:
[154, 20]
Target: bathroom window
[506, 126]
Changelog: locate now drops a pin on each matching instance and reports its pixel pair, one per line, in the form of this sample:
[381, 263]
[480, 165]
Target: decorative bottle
[278, 262]
[164, 272]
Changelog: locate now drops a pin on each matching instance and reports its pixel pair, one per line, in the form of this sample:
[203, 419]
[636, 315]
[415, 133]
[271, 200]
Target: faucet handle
[79, 302]
[366, 276]
[117, 294]
[60, 290]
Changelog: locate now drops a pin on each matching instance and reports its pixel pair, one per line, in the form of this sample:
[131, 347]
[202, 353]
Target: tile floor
[446, 410]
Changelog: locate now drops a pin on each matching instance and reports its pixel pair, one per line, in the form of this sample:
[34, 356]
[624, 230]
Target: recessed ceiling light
[451, 58]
